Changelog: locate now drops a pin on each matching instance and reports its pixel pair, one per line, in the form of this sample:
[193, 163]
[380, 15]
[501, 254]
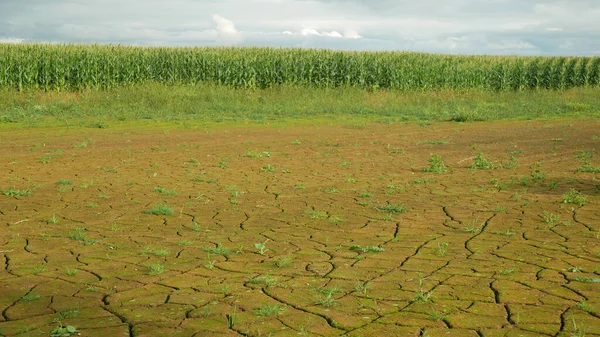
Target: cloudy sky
[523, 27]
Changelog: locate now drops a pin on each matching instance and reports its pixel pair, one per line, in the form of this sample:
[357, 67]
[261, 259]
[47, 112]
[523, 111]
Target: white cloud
[460, 26]
[227, 33]
[11, 40]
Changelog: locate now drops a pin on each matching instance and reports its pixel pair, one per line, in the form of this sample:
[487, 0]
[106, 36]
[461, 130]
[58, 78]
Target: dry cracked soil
[302, 230]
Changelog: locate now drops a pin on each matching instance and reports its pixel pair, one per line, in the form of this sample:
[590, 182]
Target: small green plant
[164, 191]
[68, 314]
[499, 209]
[156, 269]
[587, 279]
[436, 164]
[30, 297]
[261, 247]
[481, 163]
[512, 162]
[71, 272]
[252, 154]
[38, 269]
[501, 186]
[196, 227]
[332, 190]
[314, 214]
[392, 209]
[367, 249]
[157, 252]
[80, 236]
[87, 184]
[218, 250]
[45, 159]
[335, 219]
[283, 262]
[574, 269]
[365, 195]
[231, 318]
[266, 280]
[438, 316]
[423, 296]
[326, 298]
[507, 271]
[81, 145]
[64, 183]
[268, 168]
[16, 193]
[362, 287]
[550, 219]
[184, 243]
[296, 142]
[223, 163]
[299, 187]
[442, 248]
[574, 197]
[269, 310]
[210, 263]
[160, 210]
[52, 220]
[536, 173]
[585, 307]
[63, 331]
[474, 227]
[92, 205]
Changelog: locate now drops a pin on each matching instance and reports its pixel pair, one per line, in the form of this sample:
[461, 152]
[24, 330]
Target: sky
[499, 27]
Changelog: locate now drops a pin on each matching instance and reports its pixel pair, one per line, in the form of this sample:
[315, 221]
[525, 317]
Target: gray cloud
[527, 27]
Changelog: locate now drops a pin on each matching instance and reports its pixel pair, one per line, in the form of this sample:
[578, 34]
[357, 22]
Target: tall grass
[78, 67]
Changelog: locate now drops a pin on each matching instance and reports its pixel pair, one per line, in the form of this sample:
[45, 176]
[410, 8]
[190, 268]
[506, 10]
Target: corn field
[77, 67]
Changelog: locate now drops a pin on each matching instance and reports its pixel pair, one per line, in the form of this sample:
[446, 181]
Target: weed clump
[436, 164]
[160, 210]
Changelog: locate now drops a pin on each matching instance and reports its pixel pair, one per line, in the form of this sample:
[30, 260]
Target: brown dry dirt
[474, 252]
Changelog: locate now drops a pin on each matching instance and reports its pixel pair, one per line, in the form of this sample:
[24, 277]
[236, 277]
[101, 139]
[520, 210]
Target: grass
[30, 297]
[218, 250]
[160, 210]
[438, 316]
[197, 103]
[266, 280]
[12, 192]
[156, 269]
[326, 296]
[362, 287]
[269, 310]
[442, 248]
[392, 209]
[314, 214]
[52, 220]
[367, 249]
[80, 236]
[283, 262]
[71, 272]
[164, 191]
[157, 252]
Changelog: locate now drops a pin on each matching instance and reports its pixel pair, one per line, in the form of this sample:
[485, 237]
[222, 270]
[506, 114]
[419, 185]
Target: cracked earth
[305, 230]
